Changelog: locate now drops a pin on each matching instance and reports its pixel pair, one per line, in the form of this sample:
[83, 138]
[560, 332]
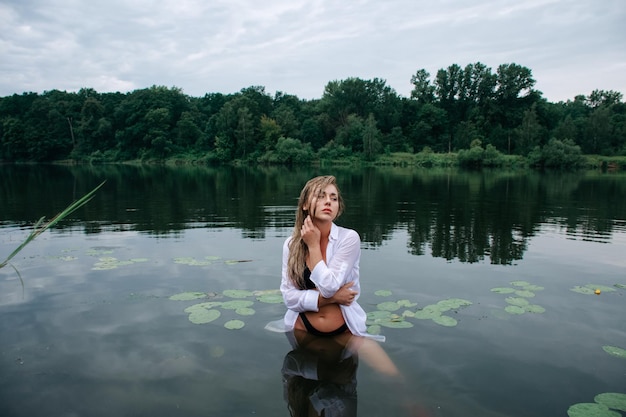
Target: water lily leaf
[622, 286]
[408, 313]
[591, 410]
[532, 288]
[383, 293]
[192, 261]
[406, 303]
[203, 316]
[186, 296]
[245, 311]
[582, 290]
[427, 313]
[235, 304]
[378, 315]
[374, 329]
[445, 321]
[514, 309]
[452, 303]
[238, 293]
[602, 288]
[614, 400]
[534, 308]
[388, 306]
[520, 283]
[615, 351]
[199, 306]
[525, 293]
[517, 301]
[234, 324]
[503, 290]
[138, 260]
[400, 324]
[275, 298]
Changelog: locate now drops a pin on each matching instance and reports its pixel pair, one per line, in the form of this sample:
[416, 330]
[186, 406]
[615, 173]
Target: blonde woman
[320, 270]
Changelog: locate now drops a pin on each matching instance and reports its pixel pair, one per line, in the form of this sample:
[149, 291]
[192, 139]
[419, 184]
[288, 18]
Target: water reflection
[464, 216]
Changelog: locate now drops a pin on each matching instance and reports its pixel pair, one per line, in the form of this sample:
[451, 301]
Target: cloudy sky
[297, 46]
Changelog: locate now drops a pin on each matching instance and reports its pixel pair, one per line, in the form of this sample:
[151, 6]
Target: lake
[482, 283]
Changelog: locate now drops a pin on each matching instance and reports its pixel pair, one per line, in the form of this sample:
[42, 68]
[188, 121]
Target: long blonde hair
[298, 250]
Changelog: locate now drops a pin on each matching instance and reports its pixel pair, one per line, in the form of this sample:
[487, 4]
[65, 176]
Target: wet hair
[298, 250]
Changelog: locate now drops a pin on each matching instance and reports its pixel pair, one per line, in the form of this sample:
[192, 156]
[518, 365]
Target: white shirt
[342, 266]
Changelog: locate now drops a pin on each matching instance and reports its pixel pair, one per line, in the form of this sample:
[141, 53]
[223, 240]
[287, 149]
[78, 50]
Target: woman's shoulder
[346, 233]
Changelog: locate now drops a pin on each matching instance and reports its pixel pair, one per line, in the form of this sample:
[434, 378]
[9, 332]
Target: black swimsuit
[305, 320]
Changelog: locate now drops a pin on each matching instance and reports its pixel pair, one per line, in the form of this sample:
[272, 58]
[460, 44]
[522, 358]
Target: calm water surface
[92, 330]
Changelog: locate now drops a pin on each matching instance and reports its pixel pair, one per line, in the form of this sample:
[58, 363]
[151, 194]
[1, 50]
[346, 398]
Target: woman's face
[325, 204]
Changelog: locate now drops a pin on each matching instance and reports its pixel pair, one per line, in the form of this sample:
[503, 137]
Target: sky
[296, 47]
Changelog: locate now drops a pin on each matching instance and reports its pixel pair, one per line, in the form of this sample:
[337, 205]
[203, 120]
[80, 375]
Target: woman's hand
[345, 295]
[311, 235]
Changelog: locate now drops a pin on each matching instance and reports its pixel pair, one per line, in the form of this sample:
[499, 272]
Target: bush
[557, 154]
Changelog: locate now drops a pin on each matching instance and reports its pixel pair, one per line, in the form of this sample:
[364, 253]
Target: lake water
[90, 330]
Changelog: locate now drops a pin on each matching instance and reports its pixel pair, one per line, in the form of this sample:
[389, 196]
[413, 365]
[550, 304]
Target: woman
[320, 270]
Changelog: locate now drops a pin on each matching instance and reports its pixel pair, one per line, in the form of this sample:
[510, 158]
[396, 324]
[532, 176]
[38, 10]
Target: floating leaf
[582, 290]
[275, 298]
[520, 283]
[517, 301]
[615, 351]
[374, 329]
[427, 313]
[399, 324]
[203, 316]
[406, 303]
[388, 306]
[503, 290]
[591, 410]
[534, 308]
[138, 260]
[614, 400]
[533, 288]
[235, 304]
[603, 288]
[378, 315]
[525, 293]
[245, 311]
[383, 293]
[238, 293]
[186, 296]
[445, 321]
[408, 313]
[514, 310]
[234, 324]
[622, 286]
[452, 303]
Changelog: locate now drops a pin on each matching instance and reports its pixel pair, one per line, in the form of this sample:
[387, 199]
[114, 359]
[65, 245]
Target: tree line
[473, 111]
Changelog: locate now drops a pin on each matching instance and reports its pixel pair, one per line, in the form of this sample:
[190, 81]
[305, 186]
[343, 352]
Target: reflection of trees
[466, 216]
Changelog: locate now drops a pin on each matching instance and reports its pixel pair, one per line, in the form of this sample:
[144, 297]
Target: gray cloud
[297, 46]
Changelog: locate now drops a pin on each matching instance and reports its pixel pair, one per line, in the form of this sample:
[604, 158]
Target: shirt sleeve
[342, 267]
[296, 299]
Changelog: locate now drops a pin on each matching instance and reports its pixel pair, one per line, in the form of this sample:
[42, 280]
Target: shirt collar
[334, 232]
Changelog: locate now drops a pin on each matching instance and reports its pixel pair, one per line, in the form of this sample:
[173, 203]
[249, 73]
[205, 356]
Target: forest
[479, 116]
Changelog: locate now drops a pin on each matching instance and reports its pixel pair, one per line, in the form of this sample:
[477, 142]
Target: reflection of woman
[319, 378]
[320, 269]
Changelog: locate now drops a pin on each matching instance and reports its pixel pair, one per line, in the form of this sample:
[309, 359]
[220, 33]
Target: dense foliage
[488, 118]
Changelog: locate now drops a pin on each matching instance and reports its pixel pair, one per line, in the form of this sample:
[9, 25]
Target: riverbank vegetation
[471, 116]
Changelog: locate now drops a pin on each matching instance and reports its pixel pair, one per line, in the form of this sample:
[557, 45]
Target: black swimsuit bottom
[309, 328]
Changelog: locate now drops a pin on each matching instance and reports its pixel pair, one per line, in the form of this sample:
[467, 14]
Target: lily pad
[406, 303]
[234, 324]
[512, 309]
[235, 304]
[614, 400]
[532, 287]
[245, 311]
[383, 293]
[186, 296]
[602, 288]
[401, 324]
[520, 283]
[270, 298]
[445, 321]
[238, 293]
[615, 351]
[452, 303]
[427, 314]
[534, 308]
[517, 301]
[203, 316]
[388, 306]
[374, 329]
[376, 315]
[525, 293]
[591, 410]
[622, 286]
[503, 290]
[582, 290]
